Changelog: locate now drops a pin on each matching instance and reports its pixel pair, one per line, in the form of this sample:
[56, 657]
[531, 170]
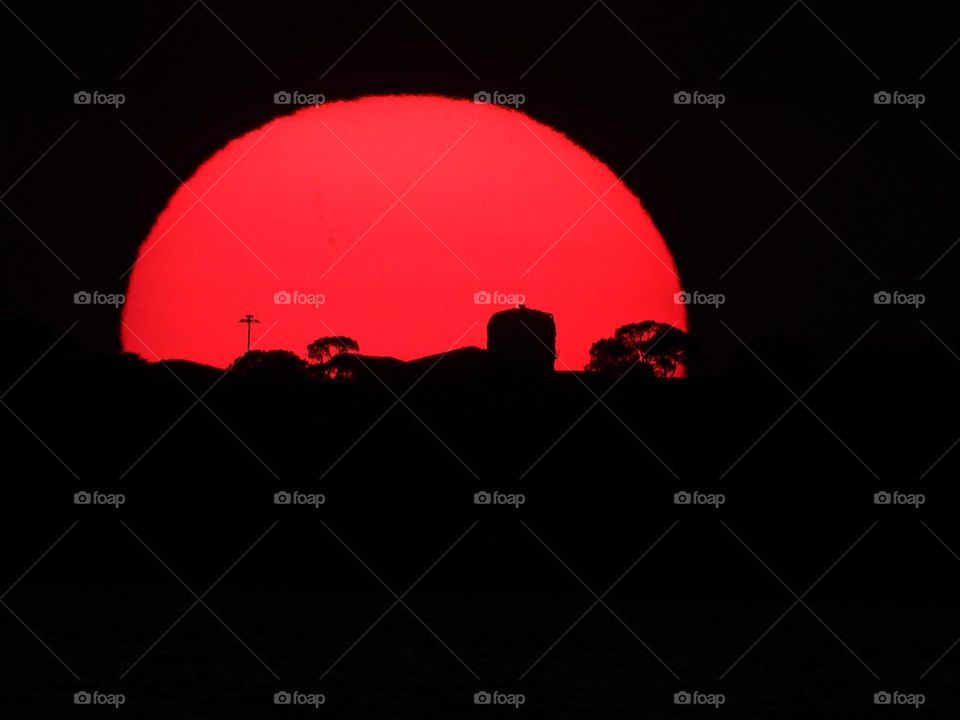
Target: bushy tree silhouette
[322, 350]
[656, 349]
[269, 365]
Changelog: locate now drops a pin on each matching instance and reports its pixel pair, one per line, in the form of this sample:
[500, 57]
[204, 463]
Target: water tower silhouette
[523, 339]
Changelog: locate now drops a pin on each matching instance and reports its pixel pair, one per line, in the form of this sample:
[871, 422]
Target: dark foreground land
[399, 596]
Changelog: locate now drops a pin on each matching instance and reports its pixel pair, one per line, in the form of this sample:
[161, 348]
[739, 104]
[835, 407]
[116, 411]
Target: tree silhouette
[656, 349]
[324, 349]
[269, 365]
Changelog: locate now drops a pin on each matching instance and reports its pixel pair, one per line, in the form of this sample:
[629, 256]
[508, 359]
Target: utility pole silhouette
[249, 320]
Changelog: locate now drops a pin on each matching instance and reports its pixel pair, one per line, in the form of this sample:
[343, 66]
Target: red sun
[403, 222]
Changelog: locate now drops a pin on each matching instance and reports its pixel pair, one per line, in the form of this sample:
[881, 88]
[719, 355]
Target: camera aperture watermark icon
[495, 697]
[914, 700]
[295, 97]
[295, 697]
[695, 297]
[482, 297]
[95, 97]
[685, 697]
[714, 500]
[914, 500]
[295, 297]
[314, 500]
[114, 500]
[95, 297]
[895, 97]
[695, 97]
[95, 697]
[514, 500]
[896, 297]
[514, 100]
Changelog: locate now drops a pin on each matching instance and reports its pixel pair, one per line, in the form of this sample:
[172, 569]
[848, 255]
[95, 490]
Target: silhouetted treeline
[203, 448]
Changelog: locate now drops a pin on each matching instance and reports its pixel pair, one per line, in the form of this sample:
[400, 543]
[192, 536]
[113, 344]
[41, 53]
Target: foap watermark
[283, 297]
[482, 297]
[295, 97]
[714, 700]
[515, 500]
[84, 297]
[695, 97]
[496, 697]
[914, 700]
[295, 697]
[895, 97]
[914, 500]
[95, 97]
[314, 500]
[514, 100]
[95, 697]
[114, 500]
[695, 297]
[714, 500]
[895, 297]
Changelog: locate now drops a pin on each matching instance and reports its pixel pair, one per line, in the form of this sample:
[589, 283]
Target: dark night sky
[800, 98]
